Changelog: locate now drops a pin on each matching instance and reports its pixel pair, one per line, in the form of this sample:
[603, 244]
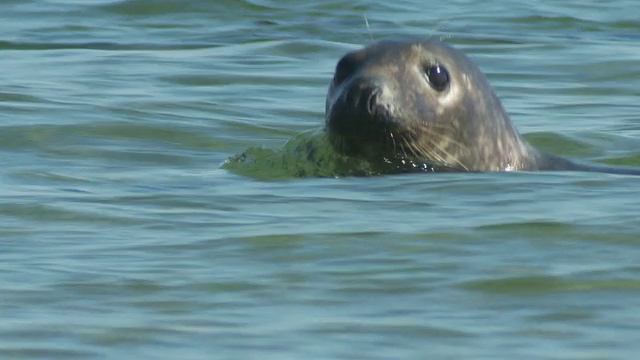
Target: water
[123, 237]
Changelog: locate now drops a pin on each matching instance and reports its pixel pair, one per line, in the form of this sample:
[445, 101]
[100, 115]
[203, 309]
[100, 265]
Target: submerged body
[423, 105]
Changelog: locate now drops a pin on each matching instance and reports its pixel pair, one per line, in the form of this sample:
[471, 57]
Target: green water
[122, 236]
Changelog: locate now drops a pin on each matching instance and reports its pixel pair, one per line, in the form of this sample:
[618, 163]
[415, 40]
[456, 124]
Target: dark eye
[438, 76]
[346, 66]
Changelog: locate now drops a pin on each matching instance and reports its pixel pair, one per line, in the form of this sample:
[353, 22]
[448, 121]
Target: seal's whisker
[446, 142]
[431, 153]
[432, 150]
[413, 150]
[407, 148]
[419, 151]
[403, 151]
[411, 147]
[447, 154]
[444, 129]
[366, 22]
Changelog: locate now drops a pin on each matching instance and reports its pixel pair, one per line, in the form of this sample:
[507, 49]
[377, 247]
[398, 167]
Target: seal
[421, 105]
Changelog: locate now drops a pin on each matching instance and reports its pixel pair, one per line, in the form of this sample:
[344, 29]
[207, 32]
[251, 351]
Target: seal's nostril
[372, 99]
[363, 97]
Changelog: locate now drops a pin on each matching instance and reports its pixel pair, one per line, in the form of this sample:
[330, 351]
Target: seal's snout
[363, 98]
[362, 108]
[359, 119]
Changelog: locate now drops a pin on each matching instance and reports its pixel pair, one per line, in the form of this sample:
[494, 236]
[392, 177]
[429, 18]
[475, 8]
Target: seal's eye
[438, 76]
[346, 66]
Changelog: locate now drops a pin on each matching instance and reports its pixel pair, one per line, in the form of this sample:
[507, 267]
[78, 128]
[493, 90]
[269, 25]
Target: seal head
[422, 104]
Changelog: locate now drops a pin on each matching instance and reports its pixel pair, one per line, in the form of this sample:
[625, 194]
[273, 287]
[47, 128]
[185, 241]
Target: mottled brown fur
[380, 105]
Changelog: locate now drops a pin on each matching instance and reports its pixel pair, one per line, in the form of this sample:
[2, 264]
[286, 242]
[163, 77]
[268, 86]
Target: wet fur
[380, 106]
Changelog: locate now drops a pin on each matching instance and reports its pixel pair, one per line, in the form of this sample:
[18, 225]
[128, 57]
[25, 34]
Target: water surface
[121, 236]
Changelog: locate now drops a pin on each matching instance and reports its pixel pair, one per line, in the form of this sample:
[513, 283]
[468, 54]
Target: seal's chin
[382, 151]
[370, 137]
[358, 143]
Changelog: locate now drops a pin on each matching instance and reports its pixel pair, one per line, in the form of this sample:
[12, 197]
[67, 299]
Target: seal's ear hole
[438, 76]
[346, 66]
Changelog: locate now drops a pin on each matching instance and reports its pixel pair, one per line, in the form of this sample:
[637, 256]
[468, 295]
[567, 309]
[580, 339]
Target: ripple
[543, 285]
